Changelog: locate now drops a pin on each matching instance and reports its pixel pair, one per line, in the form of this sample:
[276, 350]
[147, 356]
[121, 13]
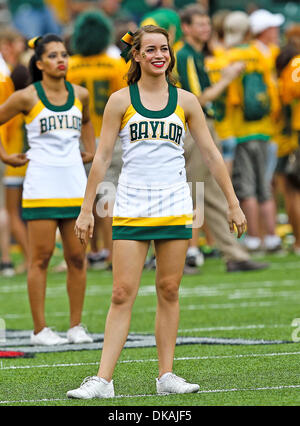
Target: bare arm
[14, 160]
[21, 101]
[213, 158]
[18, 102]
[229, 74]
[87, 131]
[112, 117]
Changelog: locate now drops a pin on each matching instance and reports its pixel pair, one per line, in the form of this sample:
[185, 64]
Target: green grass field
[216, 304]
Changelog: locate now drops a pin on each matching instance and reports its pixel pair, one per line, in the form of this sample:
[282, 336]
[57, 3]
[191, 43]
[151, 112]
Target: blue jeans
[35, 22]
[228, 148]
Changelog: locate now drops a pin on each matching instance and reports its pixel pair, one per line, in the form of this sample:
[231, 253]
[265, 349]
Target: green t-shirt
[191, 70]
[14, 5]
[192, 74]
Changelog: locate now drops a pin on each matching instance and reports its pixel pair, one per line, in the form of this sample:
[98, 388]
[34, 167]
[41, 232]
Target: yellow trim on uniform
[127, 116]
[186, 219]
[78, 104]
[36, 110]
[180, 113]
[56, 202]
[193, 77]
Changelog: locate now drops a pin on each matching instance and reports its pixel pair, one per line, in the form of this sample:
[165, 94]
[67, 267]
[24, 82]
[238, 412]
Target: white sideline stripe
[132, 361]
[155, 395]
[148, 290]
[213, 306]
[233, 327]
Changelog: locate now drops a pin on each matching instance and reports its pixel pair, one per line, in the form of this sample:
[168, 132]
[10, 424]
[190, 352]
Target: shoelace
[180, 379]
[51, 332]
[88, 381]
[81, 328]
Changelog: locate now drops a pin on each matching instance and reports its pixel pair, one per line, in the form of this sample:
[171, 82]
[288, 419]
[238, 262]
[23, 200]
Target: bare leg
[268, 213]
[128, 262]
[4, 236]
[18, 228]
[170, 258]
[74, 254]
[292, 200]
[251, 210]
[106, 230]
[40, 252]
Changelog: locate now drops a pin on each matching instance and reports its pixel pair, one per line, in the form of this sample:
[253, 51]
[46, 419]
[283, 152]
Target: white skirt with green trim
[53, 192]
[153, 214]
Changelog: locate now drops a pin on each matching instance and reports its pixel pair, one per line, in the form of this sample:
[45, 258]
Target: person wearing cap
[194, 78]
[265, 29]
[254, 102]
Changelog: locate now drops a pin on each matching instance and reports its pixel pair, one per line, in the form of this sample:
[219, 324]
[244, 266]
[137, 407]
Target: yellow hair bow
[33, 42]
[128, 40]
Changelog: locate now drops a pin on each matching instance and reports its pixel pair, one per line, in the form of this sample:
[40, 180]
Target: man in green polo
[193, 77]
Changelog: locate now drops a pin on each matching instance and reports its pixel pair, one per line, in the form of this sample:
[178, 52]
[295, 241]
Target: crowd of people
[241, 69]
[182, 98]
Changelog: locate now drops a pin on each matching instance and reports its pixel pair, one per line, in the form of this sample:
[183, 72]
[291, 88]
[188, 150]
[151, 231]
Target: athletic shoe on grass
[47, 337]
[93, 387]
[7, 269]
[170, 383]
[78, 334]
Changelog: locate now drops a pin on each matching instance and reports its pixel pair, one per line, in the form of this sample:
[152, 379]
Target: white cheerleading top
[152, 143]
[54, 131]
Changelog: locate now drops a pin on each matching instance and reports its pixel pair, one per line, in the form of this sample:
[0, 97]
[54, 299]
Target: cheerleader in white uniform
[56, 116]
[153, 201]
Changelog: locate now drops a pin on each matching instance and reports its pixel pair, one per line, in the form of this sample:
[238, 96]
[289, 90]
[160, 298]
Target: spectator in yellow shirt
[102, 75]
[252, 99]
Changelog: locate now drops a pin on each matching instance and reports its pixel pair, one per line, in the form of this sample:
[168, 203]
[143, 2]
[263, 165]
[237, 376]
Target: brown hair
[9, 35]
[134, 73]
[187, 13]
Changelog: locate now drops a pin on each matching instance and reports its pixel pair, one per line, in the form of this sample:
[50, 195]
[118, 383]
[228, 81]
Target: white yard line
[132, 361]
[206, 391]
[204, 306]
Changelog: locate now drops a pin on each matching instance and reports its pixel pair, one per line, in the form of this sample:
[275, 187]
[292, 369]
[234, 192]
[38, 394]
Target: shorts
[153, 214]
[13, 181]
[249, 171]
[52, 192]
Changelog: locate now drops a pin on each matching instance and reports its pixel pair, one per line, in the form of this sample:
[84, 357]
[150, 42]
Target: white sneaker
[93, 387]
[170, 383]
[252, 243]
[272, 242]
[47, 337]
[78, 334]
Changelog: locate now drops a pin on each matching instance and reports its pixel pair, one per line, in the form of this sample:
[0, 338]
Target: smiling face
[154, 54]
[54, 60]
